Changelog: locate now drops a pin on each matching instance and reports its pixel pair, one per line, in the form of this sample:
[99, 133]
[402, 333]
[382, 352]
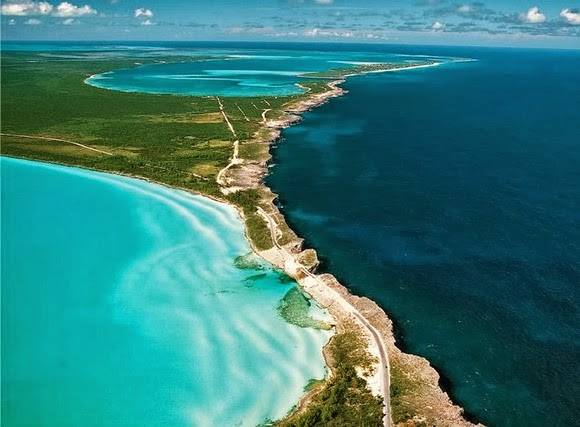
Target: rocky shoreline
[418, 398]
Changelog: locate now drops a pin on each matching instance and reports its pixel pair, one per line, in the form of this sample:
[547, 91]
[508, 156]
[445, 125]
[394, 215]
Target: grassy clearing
[257, 151]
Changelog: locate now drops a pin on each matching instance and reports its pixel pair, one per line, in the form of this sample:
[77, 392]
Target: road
[47, 138]
[235, 157]
[264, 119]
[384, 367]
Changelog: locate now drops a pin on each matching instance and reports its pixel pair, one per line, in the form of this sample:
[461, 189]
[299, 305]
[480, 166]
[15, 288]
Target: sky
[526, 23]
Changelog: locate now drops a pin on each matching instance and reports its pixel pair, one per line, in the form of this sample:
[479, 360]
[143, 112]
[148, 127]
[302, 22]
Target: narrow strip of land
[47, 138]
[317, 288]
[312, 282]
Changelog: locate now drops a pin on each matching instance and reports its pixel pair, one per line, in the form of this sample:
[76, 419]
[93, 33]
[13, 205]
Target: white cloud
[32, 21]
[147, 22]
[44, 7]
[27, 8]
[323, 1]
[571, 16]
[34, 8]
[310, 32]
[533, 16]
[143, 13]
[438, 26]
[68, 21]
[67, 10]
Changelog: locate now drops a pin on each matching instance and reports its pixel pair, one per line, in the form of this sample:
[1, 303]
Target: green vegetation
[366, 68]
[402, 385]
[308, 258]
[414, 397]
[344, 399]
[256, 228]
[312, 384]
[295, 308]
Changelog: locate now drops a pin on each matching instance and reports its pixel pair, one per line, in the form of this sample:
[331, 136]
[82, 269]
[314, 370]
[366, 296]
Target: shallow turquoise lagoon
[234, 72]
[122, 304]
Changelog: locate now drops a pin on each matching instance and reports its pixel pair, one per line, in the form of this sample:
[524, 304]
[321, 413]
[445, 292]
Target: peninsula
[219, 147]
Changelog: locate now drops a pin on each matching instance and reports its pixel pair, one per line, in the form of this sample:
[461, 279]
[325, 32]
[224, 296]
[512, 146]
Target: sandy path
[235, 160]
[226, 117]
[46, 138]
[264, 120]
[242, 111]
[318, 289]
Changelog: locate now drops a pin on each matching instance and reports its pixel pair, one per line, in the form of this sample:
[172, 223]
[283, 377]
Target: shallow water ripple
[165, 320]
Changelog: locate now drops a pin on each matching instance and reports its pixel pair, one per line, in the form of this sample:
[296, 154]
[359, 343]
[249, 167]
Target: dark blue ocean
[451, 196]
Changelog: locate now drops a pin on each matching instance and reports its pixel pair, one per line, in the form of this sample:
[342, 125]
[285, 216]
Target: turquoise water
[216, 77]
[122, 305]
[234, 72]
